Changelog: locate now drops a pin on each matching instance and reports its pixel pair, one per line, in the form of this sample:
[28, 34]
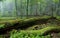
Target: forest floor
[30, 25]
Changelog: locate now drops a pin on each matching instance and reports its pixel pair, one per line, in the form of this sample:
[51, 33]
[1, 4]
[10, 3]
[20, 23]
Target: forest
[29, 18]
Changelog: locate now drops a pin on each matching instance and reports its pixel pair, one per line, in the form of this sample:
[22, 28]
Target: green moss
[2, 25]
[31, 33]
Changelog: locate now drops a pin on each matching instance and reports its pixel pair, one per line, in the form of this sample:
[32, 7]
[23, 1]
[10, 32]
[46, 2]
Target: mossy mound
[45, 32]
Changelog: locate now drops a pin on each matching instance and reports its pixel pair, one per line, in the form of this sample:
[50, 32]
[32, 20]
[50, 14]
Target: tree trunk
[16, 8]
[27, 8]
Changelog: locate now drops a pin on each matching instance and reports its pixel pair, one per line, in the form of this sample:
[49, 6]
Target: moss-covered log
[44, 31]
[50, 30]
[23, 24]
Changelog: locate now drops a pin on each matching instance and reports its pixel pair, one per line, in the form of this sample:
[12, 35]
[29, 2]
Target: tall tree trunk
[52, 9]
[31, 8]
[16, 8]
[21, 13]
[58, 11]
[36, 8]
[27, 8]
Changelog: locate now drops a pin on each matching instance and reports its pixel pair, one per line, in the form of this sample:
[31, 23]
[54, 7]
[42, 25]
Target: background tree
[16, 8]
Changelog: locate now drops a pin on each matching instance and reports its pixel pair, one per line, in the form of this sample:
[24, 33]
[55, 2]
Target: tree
[27, 8]
[16, 8]
[0, 0]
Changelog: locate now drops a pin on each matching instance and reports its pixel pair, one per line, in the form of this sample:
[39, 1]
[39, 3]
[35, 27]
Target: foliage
[56, 1]
[18, 8]
[31, 33]
[2, 26]
[11, 22]
[22, 34]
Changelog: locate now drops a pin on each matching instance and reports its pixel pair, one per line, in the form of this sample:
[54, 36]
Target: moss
[42, 31]
[2, 26]
[35, 33]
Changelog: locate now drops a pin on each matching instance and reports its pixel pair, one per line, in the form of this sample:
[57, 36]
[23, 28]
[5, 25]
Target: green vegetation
[27, 35]
[2, 26]
[32, 33]
[29, 18]
[21, 21]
